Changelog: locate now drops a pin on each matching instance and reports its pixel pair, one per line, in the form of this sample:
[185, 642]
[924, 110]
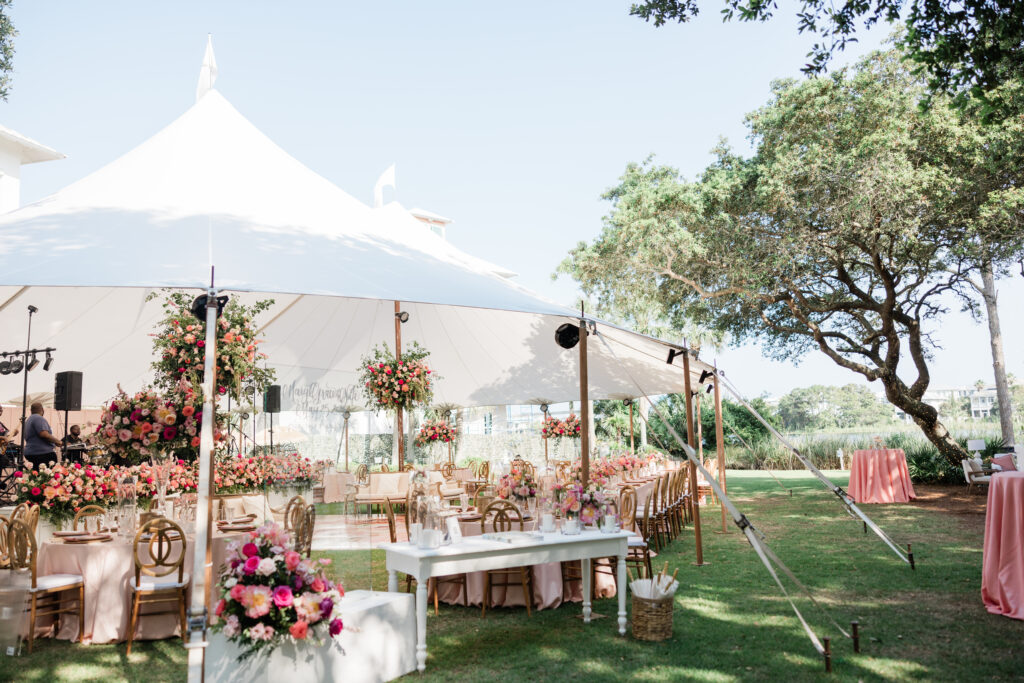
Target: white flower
[266, 567]
[230, 582]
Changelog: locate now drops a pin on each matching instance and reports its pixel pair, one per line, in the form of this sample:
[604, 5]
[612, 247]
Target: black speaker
[272, 399]
[67, 390]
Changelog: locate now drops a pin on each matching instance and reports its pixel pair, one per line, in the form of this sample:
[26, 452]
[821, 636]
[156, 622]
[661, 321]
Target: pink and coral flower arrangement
[270, 594]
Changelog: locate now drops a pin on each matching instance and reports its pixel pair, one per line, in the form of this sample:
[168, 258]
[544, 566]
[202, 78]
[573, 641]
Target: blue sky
[511, 119]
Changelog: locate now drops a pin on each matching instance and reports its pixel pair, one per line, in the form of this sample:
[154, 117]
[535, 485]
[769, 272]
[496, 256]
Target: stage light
[16, 365]
[5, 367]
[567, 335]
[346, 415]
[544, 407]
[710, 388]
[48, 362]
[32, 364]
[627, 401]
[704, 375]
[402, 316]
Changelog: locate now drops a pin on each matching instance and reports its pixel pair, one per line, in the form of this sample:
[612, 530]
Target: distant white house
[983, 402]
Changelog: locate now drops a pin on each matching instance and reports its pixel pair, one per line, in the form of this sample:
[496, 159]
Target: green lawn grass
[730, 622]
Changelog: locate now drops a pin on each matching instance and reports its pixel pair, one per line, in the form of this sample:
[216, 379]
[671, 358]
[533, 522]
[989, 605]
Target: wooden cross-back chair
[303, 531]
[89, 516]
[363, 474]
[45, 592]
[5, 559]
[384, 467]
[639, 553]
[484, 495]
[505, 517]
[159, 554]
[293, 512]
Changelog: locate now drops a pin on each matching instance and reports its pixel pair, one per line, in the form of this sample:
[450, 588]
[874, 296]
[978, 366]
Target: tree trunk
[988, 293]
[927, 418]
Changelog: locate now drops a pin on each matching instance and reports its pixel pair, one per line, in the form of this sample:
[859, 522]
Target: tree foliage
[856, 216]
[965, 48]
[7, 34]
[820, 407]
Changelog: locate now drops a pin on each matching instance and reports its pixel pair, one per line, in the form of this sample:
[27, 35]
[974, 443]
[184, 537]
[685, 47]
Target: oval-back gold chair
[45, 592]
[89, 516]
[159, 556]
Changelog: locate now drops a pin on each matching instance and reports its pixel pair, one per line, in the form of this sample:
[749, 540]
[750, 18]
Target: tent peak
[208, 71]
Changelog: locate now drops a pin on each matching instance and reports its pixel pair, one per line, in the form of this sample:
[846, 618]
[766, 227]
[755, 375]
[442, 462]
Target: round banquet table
[1002, 568]
[548, 590]
[880, 476]
[336, 486]
[107, 570]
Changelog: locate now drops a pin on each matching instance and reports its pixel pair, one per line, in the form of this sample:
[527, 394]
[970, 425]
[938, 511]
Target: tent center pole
[584, 407]
[691, 436]
[399, 433]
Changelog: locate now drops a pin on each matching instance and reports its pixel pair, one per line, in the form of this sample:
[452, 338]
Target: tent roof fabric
[211, 189]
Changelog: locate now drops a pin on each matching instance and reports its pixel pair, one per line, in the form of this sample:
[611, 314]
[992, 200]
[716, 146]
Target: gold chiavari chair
[484, 495]
[384, 467]
[505, 516]
[159, 555]
[45, 592]
[90, 515]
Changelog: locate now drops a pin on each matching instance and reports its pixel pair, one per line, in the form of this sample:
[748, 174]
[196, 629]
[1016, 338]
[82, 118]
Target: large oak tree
[848, 232]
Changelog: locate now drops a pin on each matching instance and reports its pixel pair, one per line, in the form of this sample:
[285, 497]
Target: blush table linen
[880, 476]
[336, 486]
[107, 570]
[1002, 571]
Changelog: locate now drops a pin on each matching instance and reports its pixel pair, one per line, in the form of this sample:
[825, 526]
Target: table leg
[621, 590]
[585, 566]
[421, 624]
[392, 581]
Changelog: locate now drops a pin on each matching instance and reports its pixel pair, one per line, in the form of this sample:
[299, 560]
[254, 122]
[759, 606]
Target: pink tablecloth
[880, 476]
[107, 569]
[1002, 569]
[548, 590]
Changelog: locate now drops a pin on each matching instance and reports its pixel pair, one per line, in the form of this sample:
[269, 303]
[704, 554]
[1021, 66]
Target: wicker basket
[652, 619]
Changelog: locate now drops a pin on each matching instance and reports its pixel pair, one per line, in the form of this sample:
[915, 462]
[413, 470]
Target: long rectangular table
[480, 554]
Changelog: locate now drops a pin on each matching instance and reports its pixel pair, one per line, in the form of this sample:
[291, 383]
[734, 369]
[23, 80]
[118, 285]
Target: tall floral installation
[569, 428]
[392, 384]
[270, 594]
[179, 345]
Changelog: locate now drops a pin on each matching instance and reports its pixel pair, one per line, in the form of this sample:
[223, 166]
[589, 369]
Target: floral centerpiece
[289, 471]
[549, 428]
[392, 384]
[180, 345]
[435, 431]
[239, 473]
[62, 491]
[134, 427]
[518, 485]
[270, 594]
[589, 503]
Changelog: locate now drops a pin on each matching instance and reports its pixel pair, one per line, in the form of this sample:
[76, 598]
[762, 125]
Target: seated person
[40, 442]
[73, 438]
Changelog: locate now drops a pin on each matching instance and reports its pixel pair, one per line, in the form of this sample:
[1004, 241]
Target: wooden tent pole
[632, 448]
[584, 406]
[399, 432]
[691, 437]
[720, 446]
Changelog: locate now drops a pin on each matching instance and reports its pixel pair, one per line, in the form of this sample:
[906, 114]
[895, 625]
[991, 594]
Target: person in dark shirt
[39, 438]
[5, 434]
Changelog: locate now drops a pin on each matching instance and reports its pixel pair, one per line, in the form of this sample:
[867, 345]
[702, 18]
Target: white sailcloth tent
[211, 189]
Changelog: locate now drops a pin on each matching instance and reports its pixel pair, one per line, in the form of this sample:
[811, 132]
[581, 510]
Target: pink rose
[236, 592]
[318, 585]
[251, 564]
[299, 630]
[250, 550]
[283, 596]
[220, 607]
[336, 627]
[291, 560]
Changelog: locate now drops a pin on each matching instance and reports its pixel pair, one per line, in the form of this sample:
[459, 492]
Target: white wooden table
[475, 554]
